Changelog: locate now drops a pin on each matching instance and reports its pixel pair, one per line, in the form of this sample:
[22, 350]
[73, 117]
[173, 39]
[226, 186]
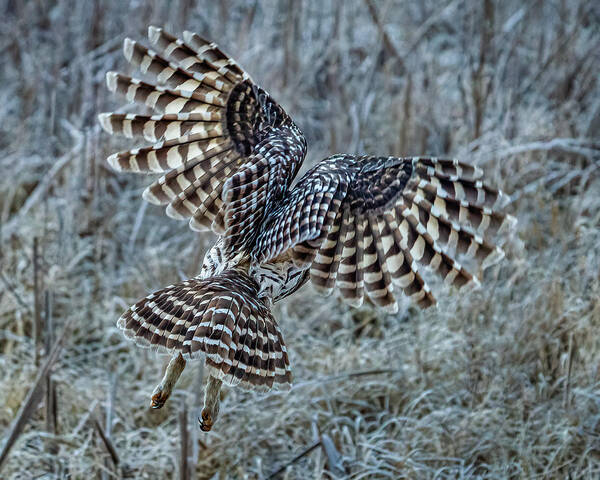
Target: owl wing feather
[363, 224]
[225, 148]
[228, 154]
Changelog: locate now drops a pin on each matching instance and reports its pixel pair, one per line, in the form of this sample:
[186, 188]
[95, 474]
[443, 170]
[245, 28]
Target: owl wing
[221, 142]
[363, 224]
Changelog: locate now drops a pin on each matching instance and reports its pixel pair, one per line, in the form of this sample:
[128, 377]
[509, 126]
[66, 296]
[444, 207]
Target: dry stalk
[184, 469]
[28, 407]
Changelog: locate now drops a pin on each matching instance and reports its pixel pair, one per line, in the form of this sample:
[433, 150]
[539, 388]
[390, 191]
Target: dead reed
[502, 382]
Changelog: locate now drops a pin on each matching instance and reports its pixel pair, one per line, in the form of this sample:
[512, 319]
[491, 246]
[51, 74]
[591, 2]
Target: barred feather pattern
[259, 185]
[227, 155]
[212, 124]
[276, 279]
[220, 316]
[366, 224]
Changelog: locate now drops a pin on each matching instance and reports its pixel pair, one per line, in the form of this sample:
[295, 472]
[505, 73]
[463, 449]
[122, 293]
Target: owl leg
[211, 404]
[163, 390]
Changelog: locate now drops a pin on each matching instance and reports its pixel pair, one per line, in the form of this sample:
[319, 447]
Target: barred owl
[228, 154]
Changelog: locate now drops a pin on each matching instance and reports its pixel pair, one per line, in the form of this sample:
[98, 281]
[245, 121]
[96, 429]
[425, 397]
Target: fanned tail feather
[220, 317]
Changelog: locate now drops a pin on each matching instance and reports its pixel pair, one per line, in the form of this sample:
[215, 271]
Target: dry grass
[496, 383]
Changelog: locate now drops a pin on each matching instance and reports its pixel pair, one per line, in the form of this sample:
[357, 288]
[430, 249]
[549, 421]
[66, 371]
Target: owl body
[227, 155]
[276, 279]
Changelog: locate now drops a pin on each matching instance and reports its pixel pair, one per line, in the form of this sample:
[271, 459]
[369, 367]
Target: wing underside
[376, 220]
[219, 139]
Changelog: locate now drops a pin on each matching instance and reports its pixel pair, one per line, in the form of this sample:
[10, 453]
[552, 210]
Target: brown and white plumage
[364, 223]
[228, 154]
[219, 317]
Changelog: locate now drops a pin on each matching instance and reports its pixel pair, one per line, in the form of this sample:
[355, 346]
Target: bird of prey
[228, 155]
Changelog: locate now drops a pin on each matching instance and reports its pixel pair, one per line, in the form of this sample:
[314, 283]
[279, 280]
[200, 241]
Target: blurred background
[500, 382]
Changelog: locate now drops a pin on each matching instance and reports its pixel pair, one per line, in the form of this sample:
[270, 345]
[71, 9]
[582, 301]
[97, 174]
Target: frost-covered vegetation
[495, 383]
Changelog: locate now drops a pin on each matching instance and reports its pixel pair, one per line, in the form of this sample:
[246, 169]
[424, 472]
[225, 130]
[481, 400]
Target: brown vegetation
[502, 382]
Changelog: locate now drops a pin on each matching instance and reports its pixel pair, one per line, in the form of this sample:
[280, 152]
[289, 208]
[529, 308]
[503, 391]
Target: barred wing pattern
[221, 317]
[228, 154]
[258, 186]
[364, 223]
[218, 136]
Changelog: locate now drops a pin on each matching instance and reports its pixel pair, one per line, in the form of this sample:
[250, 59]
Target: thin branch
[184, 471]
[567, 145]
[387, 42]
[428, 24]
[294, 460]
[37, 314]
[51, 405]
[35, 392]
[553, 56]
[107, 442]
[14, 293]
[334, 458]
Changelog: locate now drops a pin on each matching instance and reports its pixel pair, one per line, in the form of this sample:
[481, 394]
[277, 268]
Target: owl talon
[159, 397]
[163, 390]
[205, 421]
[210, 412]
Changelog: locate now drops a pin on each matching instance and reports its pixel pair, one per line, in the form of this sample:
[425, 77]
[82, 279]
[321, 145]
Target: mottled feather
[228, 155]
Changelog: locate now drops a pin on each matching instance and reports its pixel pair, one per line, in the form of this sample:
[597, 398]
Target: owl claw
[205, 421]
[159, 397]
[210, 412]
[163, 390]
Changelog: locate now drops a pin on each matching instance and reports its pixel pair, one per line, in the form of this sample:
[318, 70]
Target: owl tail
[221, 317]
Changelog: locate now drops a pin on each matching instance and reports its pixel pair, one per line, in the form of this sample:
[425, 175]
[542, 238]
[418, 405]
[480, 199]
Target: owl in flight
[228, 155]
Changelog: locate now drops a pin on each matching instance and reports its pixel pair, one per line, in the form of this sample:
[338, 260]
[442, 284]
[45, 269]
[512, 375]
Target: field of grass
[499, 382]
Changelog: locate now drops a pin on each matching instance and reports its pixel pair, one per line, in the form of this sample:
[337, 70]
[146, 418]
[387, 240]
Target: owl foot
[159, 397]
[205, 420]
[210, 412]
[163, 390]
